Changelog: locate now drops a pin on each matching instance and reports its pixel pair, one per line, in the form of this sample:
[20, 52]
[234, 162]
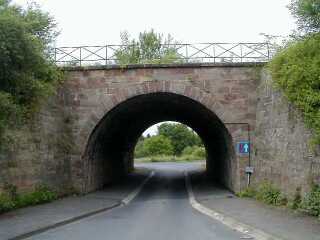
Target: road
[160, 212]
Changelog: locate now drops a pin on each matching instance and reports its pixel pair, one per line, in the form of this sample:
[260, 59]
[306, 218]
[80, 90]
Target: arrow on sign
[246, 147]
[243, 147]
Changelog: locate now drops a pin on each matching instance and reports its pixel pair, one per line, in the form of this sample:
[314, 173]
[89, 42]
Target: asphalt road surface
[160, 212]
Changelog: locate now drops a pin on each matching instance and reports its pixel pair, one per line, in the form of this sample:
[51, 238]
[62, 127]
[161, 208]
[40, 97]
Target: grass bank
[270, 194]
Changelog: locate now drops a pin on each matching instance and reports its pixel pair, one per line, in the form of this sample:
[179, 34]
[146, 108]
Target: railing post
[80, 59]
[106, 55]
[268, 47]
[214, 52]
[241, 54]
[187, 58]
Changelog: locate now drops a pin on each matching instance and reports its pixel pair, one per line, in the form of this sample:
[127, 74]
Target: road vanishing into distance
[161, 211]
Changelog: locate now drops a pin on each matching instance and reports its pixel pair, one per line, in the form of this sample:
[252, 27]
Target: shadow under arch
[110, 148]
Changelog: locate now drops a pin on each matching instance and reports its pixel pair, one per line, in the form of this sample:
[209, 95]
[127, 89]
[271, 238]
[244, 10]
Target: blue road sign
[243, 147]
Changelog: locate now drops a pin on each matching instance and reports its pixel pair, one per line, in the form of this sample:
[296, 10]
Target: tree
[157, 145]
[180, 135]
[194, 151]
[307, 13]
[26, 73]
[149, 48]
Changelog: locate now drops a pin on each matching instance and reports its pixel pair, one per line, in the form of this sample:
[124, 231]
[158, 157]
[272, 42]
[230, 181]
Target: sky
[97, 22]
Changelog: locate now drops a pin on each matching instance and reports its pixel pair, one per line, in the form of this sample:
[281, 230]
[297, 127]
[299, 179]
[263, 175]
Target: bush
[6, 203]
[157, 145]
[195, 152]
[199, 152]
[269, 194]
[311, 203]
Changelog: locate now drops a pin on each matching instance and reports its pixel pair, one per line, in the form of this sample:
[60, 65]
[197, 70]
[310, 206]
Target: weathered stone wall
[40, 152]
[54, 151]
[282, 152]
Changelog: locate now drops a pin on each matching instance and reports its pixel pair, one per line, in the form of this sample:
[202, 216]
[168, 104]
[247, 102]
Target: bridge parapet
[186, 53]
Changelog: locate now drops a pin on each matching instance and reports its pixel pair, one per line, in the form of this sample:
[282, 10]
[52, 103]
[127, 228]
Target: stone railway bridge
[85, 136]
[115, 106]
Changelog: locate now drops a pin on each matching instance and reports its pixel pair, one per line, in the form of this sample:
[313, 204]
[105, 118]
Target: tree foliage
[150, 47]
[196, 152]
[307, 13]
[180, 136]
[26, 73]
[172, 139]
[157, 145]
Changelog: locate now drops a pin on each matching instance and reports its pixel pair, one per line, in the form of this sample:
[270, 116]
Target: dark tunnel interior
[110, 150]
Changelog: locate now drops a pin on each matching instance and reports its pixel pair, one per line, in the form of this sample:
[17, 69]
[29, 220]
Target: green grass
[164, 158]
[10, 199]
[270, 194]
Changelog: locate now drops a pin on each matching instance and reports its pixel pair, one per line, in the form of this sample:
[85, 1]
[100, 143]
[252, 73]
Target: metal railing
[185, 53]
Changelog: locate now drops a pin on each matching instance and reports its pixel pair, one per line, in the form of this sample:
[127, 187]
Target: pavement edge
[230, 222]
[123, 202]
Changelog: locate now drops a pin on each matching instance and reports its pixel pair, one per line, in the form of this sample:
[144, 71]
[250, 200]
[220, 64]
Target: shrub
[199, 152]
[188, 150]
[157, 145]
[6, 203]
[269, 194]
[194, 152]
[311, 202]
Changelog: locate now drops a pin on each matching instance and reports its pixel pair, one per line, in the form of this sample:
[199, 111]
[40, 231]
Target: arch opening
[169, 141]
[110, 149]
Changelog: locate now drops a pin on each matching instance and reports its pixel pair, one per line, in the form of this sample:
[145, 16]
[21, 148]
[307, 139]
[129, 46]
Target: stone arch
[113, 97]
[95, 168]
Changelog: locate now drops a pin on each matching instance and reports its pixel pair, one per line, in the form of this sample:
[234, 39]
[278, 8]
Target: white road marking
[232, 223]
[134, 193]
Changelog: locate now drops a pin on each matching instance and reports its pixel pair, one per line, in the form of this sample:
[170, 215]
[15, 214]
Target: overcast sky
[97, 22]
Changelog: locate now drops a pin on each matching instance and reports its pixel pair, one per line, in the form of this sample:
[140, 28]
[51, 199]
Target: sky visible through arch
[97, 22]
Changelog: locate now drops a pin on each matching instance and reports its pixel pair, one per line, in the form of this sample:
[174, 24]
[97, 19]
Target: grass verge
[10, 199]
[270, 194]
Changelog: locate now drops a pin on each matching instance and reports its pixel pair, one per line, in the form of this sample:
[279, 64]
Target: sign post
[243, 149]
